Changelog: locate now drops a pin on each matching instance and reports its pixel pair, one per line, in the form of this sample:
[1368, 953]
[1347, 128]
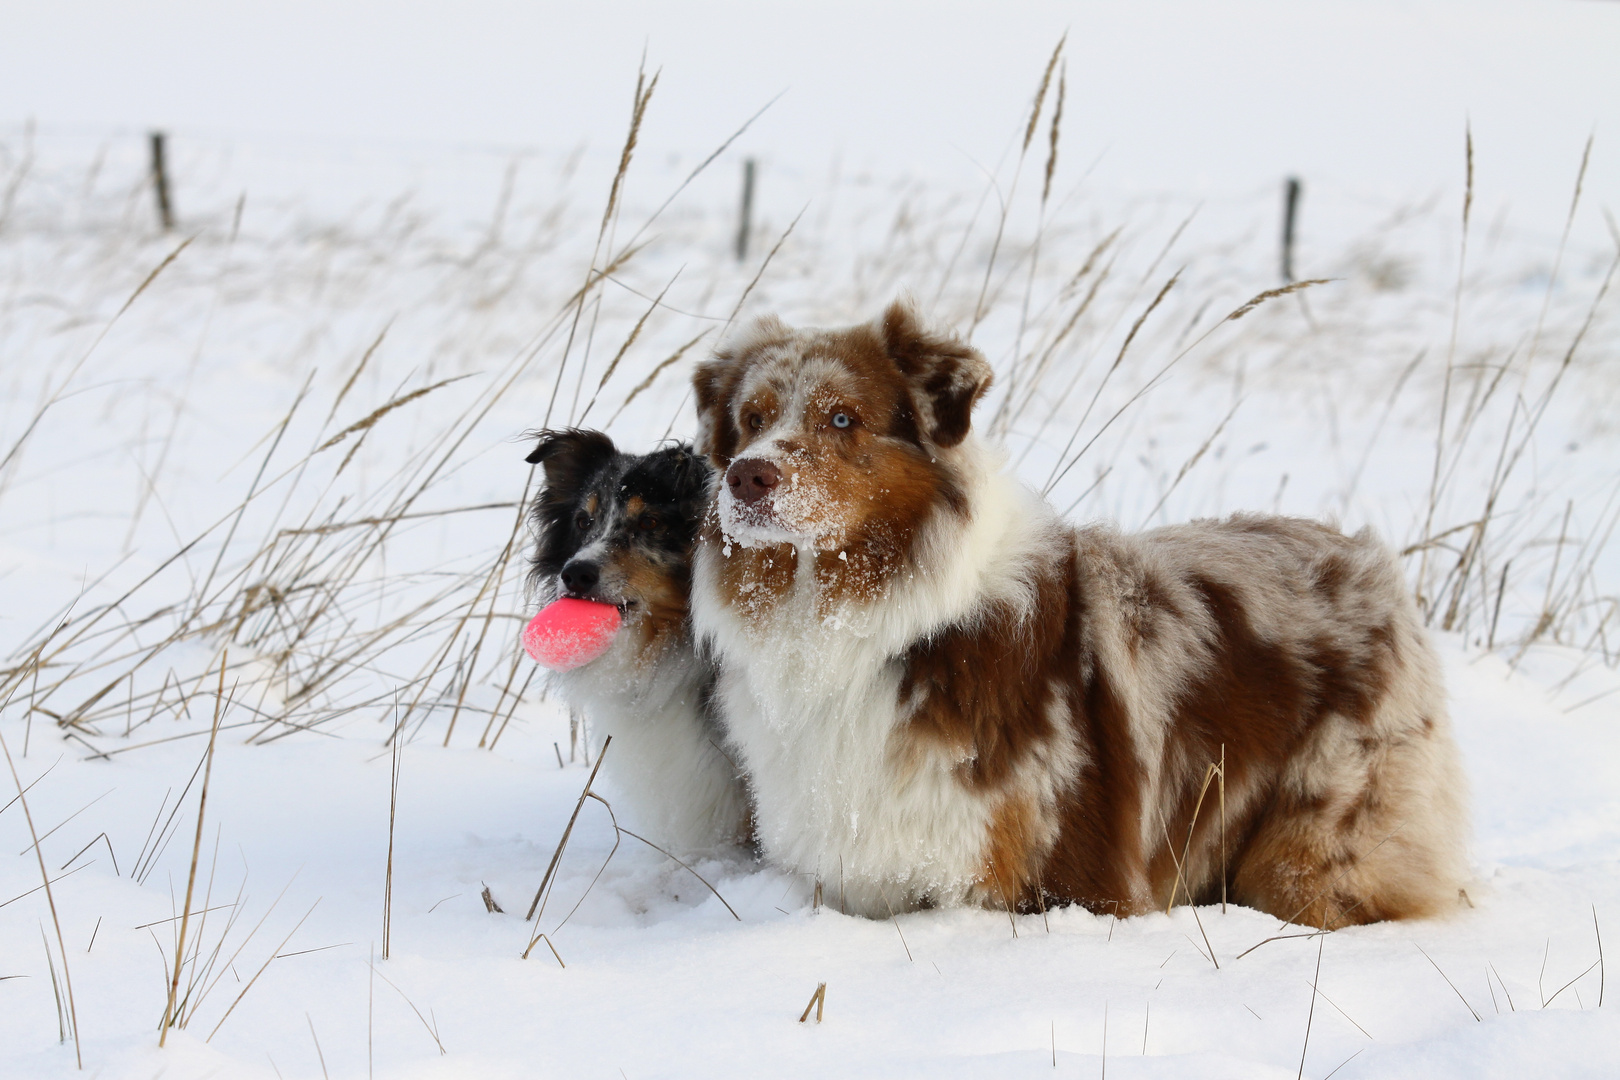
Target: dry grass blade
[1563, 243]
[1311, 1015]
[1505, 991]
[67, 975]
[1001, 890]
[1451, 354]
[1158, 376]
[1601, 970]
[169, 1014]
[1272, 294]
[87, 847]
[153, 276]
[1506, 464]
[47, 835]
[1437, 538]
[492, 584]
[537, 907]
[1571, 983]
[1021, 390]
[817, 1000]
[1040, 91]
[366, 423]
[62, 1023]
[618, 838]
[262, 967]
[1343, 1063]
[429, 1027]
[1179, 883]
[652, 376]
[980, 309]
[44, 876]
[396, 751]
[704, 164]
[666, 854]
[354, 375]
[1125, 346]
[1280, 937]
[230, 961]
[743, 299]
[1035, 253]
[643, 95]
[635, 332]
[319, 1056]
[1057, 122]
[1341, 1012]
[1453, 985]
[1188, 465]
[894, 919]
[14, 799]
[367, 522]
[1105, 1040]
[55, 395]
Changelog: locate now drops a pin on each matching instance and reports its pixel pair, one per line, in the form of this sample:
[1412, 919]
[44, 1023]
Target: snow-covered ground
[221, 498]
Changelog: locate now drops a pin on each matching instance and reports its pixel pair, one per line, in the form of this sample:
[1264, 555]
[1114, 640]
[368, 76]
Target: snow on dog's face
[839, 439]
[618, 528]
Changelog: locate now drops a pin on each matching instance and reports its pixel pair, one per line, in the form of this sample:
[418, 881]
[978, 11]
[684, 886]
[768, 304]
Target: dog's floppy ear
[570, 456]
[947, 376]
[715, 381]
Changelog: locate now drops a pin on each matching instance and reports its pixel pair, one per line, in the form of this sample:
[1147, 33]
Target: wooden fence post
[1290, 212]
[160, 182]
[745, 223]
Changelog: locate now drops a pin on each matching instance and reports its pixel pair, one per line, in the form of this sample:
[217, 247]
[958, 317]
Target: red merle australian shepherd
[942, 693]
[618, 528]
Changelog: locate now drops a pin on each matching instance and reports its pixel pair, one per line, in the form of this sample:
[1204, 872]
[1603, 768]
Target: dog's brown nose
[752, 479]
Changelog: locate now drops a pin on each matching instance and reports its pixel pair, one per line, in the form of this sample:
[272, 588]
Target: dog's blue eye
[840, 420]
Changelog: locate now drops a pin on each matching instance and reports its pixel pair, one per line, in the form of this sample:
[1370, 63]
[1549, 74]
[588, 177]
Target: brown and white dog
[943, 694]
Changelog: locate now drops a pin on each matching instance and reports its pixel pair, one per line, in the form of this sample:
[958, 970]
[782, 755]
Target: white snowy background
[374, 199]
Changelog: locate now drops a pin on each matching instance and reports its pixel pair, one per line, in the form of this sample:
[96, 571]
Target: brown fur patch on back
[981, 687]
[1283, 671]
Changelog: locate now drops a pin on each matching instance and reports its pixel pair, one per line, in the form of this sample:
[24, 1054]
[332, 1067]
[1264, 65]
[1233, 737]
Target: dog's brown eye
[582, 521]
[648, 522]
[755, 423]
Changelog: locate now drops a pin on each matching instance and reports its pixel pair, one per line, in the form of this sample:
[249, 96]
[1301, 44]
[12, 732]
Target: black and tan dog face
[617, 528]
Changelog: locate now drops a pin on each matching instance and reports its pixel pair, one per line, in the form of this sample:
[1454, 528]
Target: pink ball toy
[569, 633]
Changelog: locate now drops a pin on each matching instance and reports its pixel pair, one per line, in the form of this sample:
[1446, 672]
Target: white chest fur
[668, 777]
[811, 703]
